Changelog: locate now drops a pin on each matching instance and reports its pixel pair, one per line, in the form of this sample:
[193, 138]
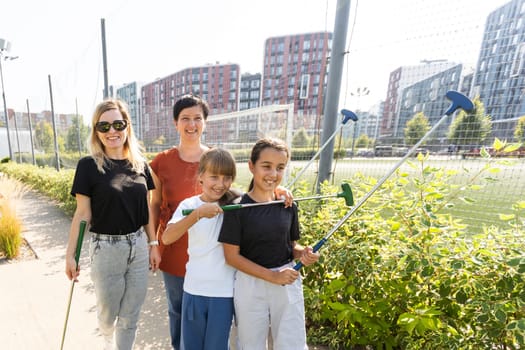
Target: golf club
[347, 115]
[458, 101]
[346, 193]
[82, 228]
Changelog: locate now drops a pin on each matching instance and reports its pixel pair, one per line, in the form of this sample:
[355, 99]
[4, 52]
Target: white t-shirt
[207, 273]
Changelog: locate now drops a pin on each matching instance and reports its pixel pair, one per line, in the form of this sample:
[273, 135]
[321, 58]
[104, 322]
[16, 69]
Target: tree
[160, 140]
[44, 137]
[72, 136]
[470, 128]
[519, 132]
[416, 128]
[300, 139]
[363, 141]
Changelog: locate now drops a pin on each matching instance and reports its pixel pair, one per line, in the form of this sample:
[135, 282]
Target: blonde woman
[112, 188]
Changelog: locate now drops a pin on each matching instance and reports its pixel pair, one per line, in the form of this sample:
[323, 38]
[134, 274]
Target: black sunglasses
[118, 125]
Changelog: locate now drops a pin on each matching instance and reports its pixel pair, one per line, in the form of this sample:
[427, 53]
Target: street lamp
[4, 47]
[358, 93]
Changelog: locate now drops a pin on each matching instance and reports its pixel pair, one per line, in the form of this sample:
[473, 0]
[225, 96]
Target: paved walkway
[34, 293]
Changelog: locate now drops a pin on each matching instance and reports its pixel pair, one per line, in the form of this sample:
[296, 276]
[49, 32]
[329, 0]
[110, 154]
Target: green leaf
[484, 153]
[461, 297]
[338, 306]
[511, 325]
[501, 316]
[457, 264]
[506, 217]
[498, 144]
[519, 338]
[483, 318]
[467, 200]
[427, 271]
[514, 262]
[444, 290]
[394, 225]
[511, 147]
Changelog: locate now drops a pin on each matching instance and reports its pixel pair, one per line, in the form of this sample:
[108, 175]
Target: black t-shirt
[119, 203]
[263, 233]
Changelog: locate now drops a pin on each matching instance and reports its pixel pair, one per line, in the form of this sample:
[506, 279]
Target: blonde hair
[132, 148]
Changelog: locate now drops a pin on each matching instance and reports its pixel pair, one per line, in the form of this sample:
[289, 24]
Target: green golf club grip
[224, 208]
[82, 228]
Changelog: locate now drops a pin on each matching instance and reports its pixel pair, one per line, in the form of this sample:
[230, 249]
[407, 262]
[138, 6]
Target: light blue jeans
[119, 271]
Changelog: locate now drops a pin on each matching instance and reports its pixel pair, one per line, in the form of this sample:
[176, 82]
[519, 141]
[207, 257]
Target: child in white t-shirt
[207, 303]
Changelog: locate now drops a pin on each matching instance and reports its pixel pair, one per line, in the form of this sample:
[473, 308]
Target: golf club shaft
[343, 123]
[80, 238]
[323, 240]
[229, 207]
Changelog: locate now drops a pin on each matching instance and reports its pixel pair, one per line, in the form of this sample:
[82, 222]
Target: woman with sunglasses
[112, 187]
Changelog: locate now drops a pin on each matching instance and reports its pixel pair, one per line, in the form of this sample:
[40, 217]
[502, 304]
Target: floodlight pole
[333, 88]
[5, 105]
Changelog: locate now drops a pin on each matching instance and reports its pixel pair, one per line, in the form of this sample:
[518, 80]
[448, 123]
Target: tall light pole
[358, 93]
[4, 47]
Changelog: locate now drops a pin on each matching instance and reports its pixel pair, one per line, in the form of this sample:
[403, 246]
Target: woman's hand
[284, 194]
[72, 271]
[154, 258]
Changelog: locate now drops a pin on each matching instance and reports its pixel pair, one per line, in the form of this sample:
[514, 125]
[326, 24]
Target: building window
[305, 83]
[255, 84]
[306, 45]
[517, 63]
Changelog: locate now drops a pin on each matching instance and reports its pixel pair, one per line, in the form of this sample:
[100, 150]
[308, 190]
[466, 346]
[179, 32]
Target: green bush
[46, 180]
[402, 274]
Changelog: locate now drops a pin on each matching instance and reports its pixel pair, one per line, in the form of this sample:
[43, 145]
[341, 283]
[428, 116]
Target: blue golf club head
[348, 115]
[458, 101]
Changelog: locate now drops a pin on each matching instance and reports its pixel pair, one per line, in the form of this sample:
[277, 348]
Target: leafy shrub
[46, 180]
[402, 274]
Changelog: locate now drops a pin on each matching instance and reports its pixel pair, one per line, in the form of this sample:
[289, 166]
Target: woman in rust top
[175, 173]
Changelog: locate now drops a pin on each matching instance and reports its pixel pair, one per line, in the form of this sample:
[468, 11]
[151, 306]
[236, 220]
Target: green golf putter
[346, 193]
